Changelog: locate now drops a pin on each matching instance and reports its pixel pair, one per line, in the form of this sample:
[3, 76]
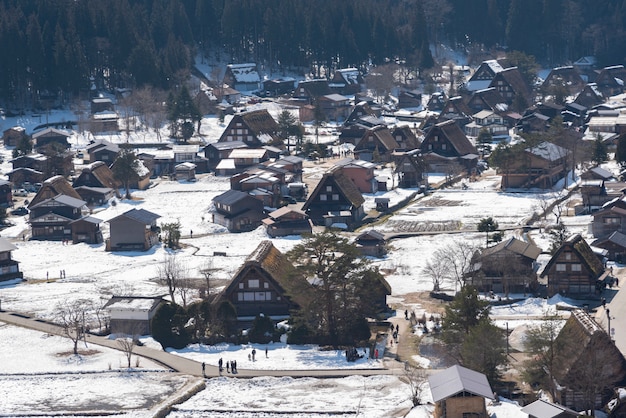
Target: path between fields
[389, 366]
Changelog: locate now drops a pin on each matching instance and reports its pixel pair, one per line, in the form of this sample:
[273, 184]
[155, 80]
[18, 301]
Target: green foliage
[599, 153]
[342, 295]
[465, 311]
[558, 234]
[172, 234]
[202, 314]
[168, 326]
[182, 113]
[484, 350]
[23, 147]
[262, 330]
[526, 64]
[488, 225]
[125, 168]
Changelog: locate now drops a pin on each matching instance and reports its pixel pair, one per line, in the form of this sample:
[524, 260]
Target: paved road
[191, 367]
[616, 307]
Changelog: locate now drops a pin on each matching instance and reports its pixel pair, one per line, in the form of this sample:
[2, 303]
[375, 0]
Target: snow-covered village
[263, 240]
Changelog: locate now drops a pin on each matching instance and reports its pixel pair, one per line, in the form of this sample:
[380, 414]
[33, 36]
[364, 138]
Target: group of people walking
[231, 366]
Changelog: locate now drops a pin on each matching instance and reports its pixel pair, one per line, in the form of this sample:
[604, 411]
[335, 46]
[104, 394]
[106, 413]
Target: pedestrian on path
[233, 367]
[376, 354]
[406, 314]
[219, 363]
[265, 352]
[191, 234]
[228, 367]
[253, 354]
[203, 369]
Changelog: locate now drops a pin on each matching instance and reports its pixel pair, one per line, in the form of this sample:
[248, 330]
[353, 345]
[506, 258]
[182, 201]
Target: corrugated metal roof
[543, 409]
[458, 379]
[5, 245]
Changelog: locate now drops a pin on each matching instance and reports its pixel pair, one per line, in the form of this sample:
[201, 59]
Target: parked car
[20, 192]
[21, 211]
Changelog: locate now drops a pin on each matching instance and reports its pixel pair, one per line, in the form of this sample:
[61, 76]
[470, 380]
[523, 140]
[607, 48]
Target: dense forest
[58, 45]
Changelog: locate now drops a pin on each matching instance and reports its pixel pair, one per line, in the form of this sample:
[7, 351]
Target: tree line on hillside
[52, 46]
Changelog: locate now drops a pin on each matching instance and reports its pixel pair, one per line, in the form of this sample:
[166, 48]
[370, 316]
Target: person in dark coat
[233, 367]
[203, 369]
[220, 363]
[228, 367]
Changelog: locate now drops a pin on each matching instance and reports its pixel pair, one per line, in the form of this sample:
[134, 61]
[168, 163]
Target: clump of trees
[342, 296]
[472, 337]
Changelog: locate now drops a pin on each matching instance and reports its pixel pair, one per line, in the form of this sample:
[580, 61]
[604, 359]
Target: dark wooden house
[566, 78]
[242, 77]
[574, 269]
[361, 173]
[346, 81]
[86, 229]
[9, 268]
[377, 144]
[590, 96]
[49, 136]
[238, 211]
[405, 138]
[52, 187]
[309, 90]
[487, 99]
[409, 99]
[507, 267]
[611, 80]
[133, 230]
[13, 136]
[610, 218]
[541, 166]
[510, 83]
[586, 355]
[335, 201]
[255, 128]
[96, 174]
[103, 150]
[266, 284]
[6, 195]
[371, 243]
[481, 79]
[287, 221]
[447, 140]
[50, 218]
[409, 167]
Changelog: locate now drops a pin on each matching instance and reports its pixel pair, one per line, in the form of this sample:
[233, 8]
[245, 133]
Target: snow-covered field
[41, 364]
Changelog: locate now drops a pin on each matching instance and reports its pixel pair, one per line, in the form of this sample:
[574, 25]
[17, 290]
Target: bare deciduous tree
[437, 269]
[70, 315]
[128, 340]
[174, 275]
[416, 379]
[207, 271]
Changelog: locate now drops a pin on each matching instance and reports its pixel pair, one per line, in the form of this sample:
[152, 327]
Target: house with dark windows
[335, 201]
[9, 268]
[50, 218]
[254, 128]
[376, 144]
[574, 269]
[541, 166]
[287, 221]
[265, 284]
[238, 211]
[50, 136]
[507, 267]
[445, 144]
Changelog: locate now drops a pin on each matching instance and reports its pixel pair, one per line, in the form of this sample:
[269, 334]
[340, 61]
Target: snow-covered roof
[457, 379]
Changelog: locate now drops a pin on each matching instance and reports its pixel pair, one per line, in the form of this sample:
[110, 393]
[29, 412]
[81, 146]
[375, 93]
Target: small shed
[372, 243]
[460, 392]
[185, 171]
[131, 315]
[382, 204]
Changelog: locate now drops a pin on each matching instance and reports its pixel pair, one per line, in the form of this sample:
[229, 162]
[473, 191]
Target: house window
[329, 188]
[443, 146]
[238, 124]
[436, 138]
[266, 285]
[577, 267]
[335, 197]
[241, 285]
[253, 283]
[614, 221]
[561, 267]
[323, 197]
[430, 146]
[568, 256]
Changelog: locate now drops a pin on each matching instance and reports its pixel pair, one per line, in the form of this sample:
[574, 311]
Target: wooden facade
[574, 269]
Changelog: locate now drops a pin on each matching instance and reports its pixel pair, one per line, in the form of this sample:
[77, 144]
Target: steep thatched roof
[587, 350]
[277, 266]
[52, 187]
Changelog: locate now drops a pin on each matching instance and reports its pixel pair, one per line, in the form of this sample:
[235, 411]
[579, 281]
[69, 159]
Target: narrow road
[191, 367]
[616, 310]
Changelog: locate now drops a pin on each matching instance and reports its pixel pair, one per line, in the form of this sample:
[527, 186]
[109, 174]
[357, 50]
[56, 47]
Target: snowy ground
[42, 362]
